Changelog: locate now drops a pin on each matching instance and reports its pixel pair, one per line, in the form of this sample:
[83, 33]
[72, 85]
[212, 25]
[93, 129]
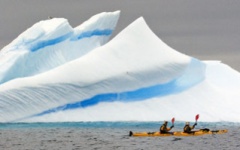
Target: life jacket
[187, 128]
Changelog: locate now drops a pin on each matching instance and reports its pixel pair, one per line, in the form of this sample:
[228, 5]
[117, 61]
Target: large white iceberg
[135, 76]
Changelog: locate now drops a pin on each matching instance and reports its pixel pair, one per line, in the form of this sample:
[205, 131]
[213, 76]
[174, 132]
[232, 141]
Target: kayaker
[164, 128]
[187, 128]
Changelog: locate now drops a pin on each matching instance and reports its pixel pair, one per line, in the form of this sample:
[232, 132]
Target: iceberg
[133, 77]
[51, 43]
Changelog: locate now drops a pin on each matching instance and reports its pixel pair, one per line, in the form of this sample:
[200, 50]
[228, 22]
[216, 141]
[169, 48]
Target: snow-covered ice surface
[133, 77]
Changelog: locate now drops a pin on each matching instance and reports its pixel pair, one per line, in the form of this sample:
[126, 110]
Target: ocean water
[111, 135]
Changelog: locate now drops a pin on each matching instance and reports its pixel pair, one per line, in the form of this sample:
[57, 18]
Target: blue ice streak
[41, 44]
[140, 94]
[175, 86]
[96, 32]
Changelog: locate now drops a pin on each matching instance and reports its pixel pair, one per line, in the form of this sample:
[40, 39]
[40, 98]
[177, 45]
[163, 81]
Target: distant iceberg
[133, 77]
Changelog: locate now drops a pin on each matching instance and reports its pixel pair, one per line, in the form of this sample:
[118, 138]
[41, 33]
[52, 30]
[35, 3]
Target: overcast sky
[205, 29]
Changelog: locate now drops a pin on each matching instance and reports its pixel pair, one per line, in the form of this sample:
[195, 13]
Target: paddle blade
[197, 116]
[173, 119]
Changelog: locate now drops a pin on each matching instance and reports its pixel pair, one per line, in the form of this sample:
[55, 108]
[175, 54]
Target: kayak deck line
[179, 133]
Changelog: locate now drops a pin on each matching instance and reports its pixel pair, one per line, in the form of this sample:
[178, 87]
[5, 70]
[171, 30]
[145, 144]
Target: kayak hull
[178, 133]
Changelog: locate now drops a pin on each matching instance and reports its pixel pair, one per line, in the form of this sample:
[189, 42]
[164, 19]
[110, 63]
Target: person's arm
[194, 126]
[168, 129]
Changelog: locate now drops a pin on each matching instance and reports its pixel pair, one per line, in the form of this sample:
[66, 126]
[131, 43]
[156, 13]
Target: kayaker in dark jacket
[187, 128]
[164, 128]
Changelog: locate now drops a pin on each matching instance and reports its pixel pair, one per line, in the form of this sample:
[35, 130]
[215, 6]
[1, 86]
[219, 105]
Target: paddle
[196, 118]
[173, 119]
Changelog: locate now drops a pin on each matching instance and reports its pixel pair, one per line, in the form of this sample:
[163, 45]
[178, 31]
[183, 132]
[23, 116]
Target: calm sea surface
[111, 135]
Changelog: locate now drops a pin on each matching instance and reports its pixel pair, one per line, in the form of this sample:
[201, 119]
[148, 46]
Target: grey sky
[205, 29]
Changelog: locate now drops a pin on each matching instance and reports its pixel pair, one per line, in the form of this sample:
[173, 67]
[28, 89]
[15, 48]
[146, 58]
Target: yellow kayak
[179, 133]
